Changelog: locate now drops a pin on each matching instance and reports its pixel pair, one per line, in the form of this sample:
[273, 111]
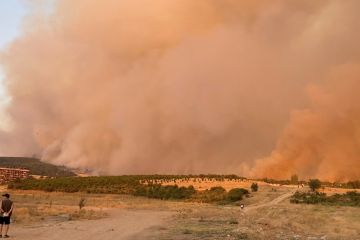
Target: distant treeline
[281, 182]
[347, 199]
[217, 177]
[35, 166]
[132, 185]
[347, 185]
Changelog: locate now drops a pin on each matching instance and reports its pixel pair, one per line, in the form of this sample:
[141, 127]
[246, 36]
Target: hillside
[35, 166]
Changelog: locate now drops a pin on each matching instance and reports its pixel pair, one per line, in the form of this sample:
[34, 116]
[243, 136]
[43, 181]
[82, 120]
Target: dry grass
[39, 206]
[202, 221]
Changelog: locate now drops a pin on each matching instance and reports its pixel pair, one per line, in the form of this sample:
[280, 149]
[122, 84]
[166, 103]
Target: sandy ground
[121, 224]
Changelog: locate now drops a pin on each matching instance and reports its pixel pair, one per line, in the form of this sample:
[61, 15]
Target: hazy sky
[11, 13]
[261, 88]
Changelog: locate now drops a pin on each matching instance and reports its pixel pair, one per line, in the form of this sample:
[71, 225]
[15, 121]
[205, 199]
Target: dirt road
[121, 224]
[271, 203]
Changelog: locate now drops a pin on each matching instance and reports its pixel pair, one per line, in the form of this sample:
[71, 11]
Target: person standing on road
[7, 207]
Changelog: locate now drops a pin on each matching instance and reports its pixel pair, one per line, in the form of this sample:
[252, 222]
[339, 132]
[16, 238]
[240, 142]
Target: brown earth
[120, 224]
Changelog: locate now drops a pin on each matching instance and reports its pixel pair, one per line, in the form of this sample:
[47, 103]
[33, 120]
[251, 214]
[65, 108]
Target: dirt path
[268, 204]
[121, 224]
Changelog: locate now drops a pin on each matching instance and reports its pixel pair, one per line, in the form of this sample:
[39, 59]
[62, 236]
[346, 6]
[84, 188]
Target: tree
[314, 184]
[294, 179]
[254, 187]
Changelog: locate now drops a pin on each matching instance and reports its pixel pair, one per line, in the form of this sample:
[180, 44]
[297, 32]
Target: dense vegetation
[347, 199]
[164, 192]
[133, 184]
[35, 166]
[236, 194]
[219, 195]
[116, 185]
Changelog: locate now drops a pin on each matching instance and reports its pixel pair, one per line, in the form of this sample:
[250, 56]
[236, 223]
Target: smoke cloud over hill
[260, 88]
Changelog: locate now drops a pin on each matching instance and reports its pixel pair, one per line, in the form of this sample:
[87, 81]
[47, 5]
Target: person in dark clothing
[7, 208]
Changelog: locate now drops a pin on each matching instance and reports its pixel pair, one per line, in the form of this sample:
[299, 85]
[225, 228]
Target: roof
[15, 169]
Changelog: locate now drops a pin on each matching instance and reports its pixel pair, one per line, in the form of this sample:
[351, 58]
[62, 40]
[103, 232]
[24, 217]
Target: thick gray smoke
[184, 86]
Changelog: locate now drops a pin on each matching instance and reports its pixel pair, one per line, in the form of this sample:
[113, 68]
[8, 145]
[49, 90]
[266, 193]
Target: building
[10, 174]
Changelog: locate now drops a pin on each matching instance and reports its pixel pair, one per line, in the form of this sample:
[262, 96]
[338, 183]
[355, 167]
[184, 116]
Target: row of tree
[130, 185]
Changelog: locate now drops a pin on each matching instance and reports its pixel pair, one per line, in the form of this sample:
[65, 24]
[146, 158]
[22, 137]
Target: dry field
[267, 215]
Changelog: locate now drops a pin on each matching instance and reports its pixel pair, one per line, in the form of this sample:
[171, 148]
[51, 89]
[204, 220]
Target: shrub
[236, 194]
[254, 187]
[314, 184]
[164, 192]
[217, 189]
[347, 199]
[215, 194]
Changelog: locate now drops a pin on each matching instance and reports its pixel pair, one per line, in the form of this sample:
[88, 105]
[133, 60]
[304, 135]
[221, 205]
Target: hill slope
[35, 166]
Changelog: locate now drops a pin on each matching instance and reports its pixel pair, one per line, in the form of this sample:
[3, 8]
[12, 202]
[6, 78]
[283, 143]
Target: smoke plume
[183, 86]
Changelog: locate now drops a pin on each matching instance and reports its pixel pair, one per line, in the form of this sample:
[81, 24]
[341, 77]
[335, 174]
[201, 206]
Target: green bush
[217, 190]
[236, 194]
[214, 195]
[254, 187]
[164, 192]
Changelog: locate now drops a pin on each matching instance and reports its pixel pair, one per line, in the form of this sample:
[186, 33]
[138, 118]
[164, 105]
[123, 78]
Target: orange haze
[184, 86]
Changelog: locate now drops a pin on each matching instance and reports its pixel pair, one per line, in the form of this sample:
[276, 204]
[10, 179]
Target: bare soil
[120, 224]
